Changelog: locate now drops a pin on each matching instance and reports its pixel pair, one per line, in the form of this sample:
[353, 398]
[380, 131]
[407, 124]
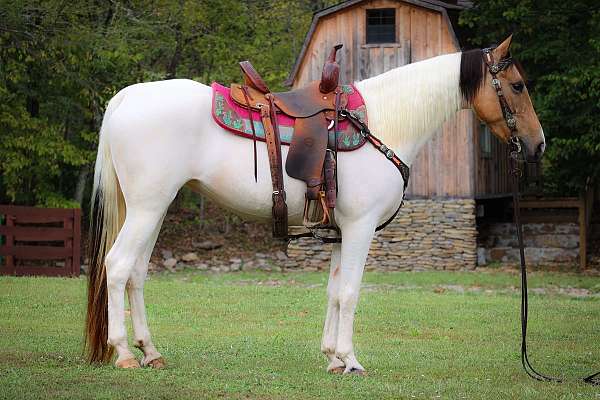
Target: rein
[515, 149]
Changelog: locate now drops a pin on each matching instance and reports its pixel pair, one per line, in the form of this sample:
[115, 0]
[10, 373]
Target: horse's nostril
[540, 149]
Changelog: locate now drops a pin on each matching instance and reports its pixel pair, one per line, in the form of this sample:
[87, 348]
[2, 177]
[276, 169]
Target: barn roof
[435, 5]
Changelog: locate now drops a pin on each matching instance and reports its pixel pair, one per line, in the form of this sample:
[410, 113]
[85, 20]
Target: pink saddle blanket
[236, 119]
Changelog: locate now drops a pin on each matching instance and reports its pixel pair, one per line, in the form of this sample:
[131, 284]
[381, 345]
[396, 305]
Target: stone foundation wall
[545, 244]
[426, 234]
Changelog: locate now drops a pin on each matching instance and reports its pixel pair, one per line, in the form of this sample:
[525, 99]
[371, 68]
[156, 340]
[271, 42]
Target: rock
[188, 257]
[249, 266]
[180, 265]
[170, 264]
[84, 268]
[207, 245]
[281, 255]
[202, 266]
[166, 254]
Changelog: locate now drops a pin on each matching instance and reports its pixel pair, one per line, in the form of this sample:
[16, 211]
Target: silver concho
[389, 154]
[383, 148]
[511, 122]
[496, 83]
[494, 69]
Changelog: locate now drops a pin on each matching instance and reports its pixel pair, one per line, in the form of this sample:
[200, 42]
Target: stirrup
[317, 215]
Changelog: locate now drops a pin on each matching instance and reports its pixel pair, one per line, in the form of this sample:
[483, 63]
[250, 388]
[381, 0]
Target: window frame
[485, 141]
[371, 38]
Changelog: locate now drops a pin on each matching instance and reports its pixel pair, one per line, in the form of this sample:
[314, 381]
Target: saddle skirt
[236, 119]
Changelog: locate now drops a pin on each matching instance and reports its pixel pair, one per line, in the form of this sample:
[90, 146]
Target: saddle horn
[331, 72]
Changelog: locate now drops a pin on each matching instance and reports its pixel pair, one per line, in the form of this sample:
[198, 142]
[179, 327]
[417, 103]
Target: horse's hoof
[157, 363]
[129, 363]
[336, 370]
[355, 371]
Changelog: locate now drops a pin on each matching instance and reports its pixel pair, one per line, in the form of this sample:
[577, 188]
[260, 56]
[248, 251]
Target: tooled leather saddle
[315, 109]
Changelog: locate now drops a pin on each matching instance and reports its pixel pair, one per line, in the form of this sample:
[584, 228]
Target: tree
[558, 42]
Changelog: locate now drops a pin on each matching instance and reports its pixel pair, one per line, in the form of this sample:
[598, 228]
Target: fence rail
[49, 234]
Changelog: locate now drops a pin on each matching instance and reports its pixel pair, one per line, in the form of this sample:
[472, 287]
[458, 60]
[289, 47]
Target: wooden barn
[463, 160]
[457, 213]
[459, 175]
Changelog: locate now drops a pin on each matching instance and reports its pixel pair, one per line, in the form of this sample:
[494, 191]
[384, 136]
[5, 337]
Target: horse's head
[492, 82]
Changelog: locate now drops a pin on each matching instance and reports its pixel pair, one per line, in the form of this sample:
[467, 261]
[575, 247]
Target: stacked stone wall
[545, 244]
[425, 235]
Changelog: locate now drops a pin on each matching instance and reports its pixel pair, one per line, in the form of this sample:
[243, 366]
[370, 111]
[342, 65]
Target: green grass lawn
[422, 335]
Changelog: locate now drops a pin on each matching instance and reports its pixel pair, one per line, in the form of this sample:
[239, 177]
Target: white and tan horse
[157, 137]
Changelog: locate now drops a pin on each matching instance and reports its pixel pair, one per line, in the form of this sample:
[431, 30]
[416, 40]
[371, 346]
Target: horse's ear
[503, 49]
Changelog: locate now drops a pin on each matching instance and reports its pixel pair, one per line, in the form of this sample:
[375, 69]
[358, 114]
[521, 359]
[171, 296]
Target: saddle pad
[236, 119]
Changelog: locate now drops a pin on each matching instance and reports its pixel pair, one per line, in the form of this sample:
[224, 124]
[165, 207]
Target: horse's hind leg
[330, 329]
[129, 248]
[135, 291]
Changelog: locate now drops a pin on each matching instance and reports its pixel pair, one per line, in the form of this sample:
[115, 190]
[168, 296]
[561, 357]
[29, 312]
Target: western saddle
[312, 155]
[317, 108]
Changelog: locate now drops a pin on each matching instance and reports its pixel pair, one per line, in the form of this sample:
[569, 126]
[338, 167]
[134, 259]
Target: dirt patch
[438, 289]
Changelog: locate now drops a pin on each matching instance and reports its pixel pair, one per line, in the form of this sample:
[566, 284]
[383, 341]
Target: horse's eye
[518, 87]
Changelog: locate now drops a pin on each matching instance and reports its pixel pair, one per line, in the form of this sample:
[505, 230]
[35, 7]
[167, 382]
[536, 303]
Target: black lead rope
[532, 372]
[516, 149]
[516, 173]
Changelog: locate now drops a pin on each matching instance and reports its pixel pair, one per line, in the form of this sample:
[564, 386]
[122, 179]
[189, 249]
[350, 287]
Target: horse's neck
[408, 104]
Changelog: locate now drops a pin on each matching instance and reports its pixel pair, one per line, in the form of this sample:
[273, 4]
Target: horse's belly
[225, 174]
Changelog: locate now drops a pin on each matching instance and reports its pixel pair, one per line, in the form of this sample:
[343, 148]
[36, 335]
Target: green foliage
[60, 63]
[558, 43]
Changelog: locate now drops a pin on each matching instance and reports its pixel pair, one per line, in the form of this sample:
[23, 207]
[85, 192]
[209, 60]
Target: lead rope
[516, 174]
[516, 149]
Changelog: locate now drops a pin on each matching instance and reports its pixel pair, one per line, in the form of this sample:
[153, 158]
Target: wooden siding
[445, 166]
[492, 178]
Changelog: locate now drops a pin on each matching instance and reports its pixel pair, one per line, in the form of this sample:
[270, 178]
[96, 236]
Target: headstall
[508, 114]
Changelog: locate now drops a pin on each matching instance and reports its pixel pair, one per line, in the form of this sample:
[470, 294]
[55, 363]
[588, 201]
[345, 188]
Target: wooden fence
[48, 238]
[582, 207]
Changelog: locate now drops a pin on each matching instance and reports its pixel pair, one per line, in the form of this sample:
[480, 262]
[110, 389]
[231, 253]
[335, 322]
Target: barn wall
[492, 178]
[445, 167]
[436, 229]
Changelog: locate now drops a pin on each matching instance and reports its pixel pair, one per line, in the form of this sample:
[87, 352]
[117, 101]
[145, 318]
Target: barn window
[485, 141]
[381, 25]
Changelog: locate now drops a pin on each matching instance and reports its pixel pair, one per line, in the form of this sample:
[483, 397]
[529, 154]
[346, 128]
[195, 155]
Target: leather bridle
[507, 112]
[515, 150]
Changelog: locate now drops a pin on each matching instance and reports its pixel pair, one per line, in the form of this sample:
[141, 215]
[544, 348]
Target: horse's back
[154, 130]
[160, 98]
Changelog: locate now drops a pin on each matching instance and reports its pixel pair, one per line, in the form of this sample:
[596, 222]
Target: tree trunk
[81, 181]
[176, 58]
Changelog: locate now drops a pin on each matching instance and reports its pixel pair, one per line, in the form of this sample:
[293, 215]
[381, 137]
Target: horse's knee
[333, 295]
[348, 296]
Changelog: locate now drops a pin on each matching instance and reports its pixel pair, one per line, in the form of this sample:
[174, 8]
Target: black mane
[472, 73]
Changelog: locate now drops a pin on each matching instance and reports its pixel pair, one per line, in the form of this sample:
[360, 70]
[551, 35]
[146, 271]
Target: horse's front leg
[330, 329]
[356, 241]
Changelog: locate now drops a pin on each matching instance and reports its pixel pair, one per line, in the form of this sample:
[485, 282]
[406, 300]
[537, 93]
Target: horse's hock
[426, 234]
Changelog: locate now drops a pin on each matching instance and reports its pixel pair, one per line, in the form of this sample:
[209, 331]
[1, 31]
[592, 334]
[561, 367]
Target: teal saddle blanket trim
[236, 119]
